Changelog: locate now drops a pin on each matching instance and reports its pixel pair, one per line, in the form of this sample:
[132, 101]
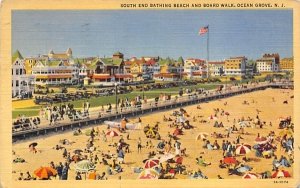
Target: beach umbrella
[179, 160]
[261, 140]
[242, 124]
[33, 144]
[230, 160]
[148, 174]
[281, 174]
[250, 175]
[112, 133]
[77, 151]
[45, 172]
[150, 163]
[177, 132]
[75, 158]
[202, 135]
[150, 132]
[166, 157]
[84, 166]
[242, 149]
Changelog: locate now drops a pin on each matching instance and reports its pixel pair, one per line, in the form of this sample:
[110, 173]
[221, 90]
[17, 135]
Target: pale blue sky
[164, 33]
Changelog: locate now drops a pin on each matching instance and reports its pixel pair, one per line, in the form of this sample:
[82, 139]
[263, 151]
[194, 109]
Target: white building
[55, 72]
[22, 84]
[194, 68]
[216, 68]
[267, 64]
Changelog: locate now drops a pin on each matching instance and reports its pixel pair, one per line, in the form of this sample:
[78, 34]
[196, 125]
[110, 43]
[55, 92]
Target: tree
[180, 61]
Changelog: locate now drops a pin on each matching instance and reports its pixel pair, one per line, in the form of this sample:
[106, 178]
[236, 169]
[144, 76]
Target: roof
[57, 63]
[128, 63]
[151, 62]
[111, 61]
[117, 53]
[16, 55]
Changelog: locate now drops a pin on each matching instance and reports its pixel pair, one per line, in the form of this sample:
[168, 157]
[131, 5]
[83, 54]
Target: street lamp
[116, 93]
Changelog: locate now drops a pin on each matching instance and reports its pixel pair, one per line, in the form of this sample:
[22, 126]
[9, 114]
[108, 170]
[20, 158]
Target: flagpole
[207, 51]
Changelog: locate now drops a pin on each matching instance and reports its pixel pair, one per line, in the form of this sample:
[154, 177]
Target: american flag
[203, 30]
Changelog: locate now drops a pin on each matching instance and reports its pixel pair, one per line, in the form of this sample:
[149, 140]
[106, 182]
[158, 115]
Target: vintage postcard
[149, 93]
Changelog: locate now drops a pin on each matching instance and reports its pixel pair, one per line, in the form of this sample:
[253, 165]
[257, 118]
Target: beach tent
[242, 149]
[148, 174]
[250, 175]
[150, 163]
[202, 135]
[45, 172]
[281, 174]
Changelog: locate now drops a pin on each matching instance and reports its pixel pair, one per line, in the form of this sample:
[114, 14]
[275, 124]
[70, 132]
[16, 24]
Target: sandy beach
[267, 104]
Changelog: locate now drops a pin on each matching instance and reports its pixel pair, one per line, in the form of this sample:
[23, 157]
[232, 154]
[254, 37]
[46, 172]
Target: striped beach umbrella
[250, 175]
[281, 174]
[148, 174]
[242, 149]
[112, 133]
[150, 163]
[45, 172]
[84, 166]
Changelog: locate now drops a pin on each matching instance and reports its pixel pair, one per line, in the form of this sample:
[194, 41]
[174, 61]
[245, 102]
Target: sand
[270, 111]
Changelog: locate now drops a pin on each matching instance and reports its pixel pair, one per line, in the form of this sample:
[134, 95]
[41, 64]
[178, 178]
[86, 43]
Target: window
[17, 71]
[17, 83]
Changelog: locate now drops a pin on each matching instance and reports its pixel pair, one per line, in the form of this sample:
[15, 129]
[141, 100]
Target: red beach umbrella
[230, 160]
[250, 175]
[242, 149]
[261, 140]
[150, 163]
[281, 174]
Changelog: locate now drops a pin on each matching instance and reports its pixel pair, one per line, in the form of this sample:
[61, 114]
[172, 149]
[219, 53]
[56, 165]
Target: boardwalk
[150, 107]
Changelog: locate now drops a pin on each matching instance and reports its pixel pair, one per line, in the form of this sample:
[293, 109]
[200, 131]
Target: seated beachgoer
[284, 162]
[109, 170]
[222, 164]
[200, 161]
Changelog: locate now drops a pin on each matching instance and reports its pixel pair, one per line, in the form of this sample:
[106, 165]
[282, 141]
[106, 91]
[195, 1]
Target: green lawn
[98, 101]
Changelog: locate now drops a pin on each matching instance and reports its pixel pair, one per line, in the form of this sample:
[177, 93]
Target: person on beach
[65, 171]
[78, 176]
[59, 169]
[139, 145]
